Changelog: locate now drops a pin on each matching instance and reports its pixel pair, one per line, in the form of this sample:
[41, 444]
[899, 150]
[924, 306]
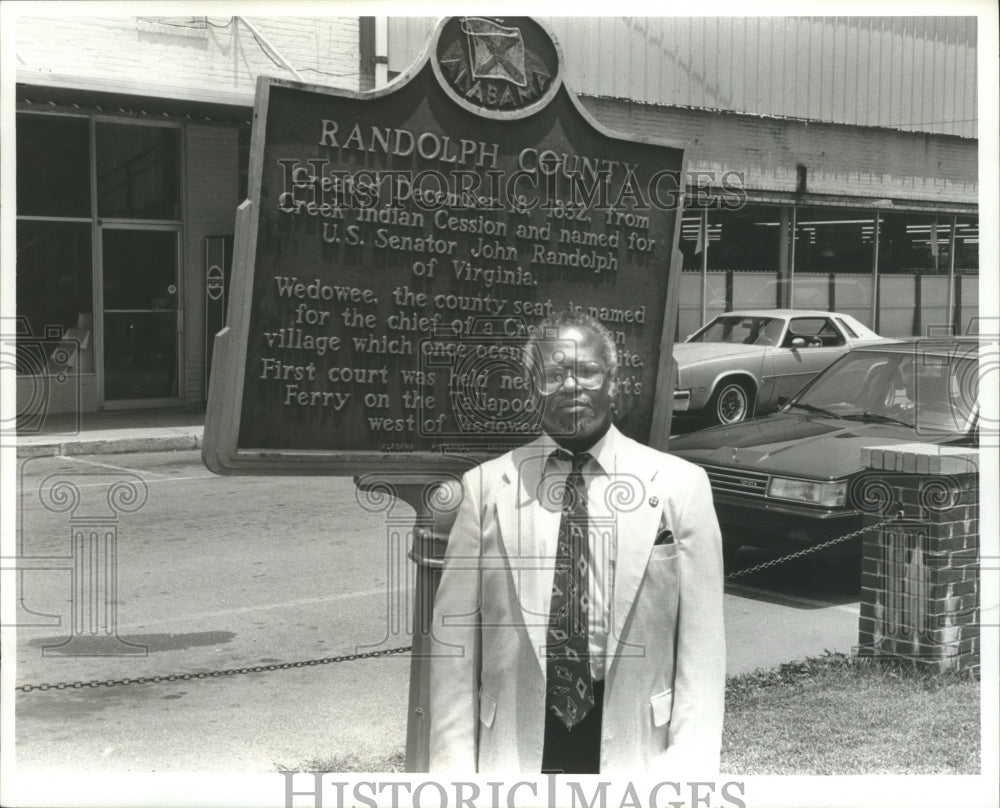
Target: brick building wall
[213, 59]
[840, 160]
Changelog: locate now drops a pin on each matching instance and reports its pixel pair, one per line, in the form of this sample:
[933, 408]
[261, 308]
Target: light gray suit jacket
[665, 676]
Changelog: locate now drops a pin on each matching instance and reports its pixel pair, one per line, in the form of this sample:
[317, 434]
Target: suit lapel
[635, 535]
[528, 535]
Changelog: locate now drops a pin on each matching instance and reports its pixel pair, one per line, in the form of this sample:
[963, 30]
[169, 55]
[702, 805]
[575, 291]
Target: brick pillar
[920, 573]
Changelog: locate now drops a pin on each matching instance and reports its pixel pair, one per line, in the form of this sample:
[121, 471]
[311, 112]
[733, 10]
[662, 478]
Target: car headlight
[827, 494]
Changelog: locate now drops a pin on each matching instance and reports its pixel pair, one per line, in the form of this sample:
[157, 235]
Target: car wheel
[731, 403]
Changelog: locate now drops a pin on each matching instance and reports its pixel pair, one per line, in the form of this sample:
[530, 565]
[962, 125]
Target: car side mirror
[783, 400]
[798, 342]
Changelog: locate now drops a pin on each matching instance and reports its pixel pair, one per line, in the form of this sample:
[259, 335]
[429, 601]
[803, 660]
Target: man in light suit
[645, 689]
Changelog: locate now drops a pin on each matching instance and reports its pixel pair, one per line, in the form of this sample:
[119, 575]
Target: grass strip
[837, 714]
[826, 715]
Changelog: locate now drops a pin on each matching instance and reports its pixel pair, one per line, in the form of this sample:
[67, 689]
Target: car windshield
[742, 330]
[934, 392]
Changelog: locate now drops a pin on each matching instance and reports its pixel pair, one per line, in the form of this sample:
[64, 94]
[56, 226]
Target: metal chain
[814, 548]
[180, 677]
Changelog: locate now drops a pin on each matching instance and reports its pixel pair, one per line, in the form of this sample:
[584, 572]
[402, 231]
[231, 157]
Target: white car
[742, 362]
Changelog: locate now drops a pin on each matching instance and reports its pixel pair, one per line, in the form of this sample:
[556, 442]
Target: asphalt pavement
[200, 609]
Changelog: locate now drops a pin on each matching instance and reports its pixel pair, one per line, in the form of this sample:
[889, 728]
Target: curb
[88, 446]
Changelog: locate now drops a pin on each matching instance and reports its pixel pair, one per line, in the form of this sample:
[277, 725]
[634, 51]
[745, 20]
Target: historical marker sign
[399, 246]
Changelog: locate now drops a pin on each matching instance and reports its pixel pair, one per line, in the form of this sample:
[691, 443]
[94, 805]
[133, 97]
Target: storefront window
[967, 244]
[55, 293]
[745, 240]
[834, 240]
[966, 291]
[54, 270]
[692, 247]
[138, 171]
[691, 241]
[914, 242]
[834, 251]
[53, 166]
[914, 266]
[747, 246]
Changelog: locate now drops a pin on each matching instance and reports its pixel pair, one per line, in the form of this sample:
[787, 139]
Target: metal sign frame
[221, 450]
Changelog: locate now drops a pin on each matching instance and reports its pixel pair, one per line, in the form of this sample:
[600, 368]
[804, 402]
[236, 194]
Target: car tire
[731, 402]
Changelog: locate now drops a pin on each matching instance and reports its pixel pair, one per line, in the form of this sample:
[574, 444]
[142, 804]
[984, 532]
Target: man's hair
[551, 327]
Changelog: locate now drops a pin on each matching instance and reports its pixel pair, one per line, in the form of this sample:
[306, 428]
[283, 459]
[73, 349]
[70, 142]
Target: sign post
[397, 249]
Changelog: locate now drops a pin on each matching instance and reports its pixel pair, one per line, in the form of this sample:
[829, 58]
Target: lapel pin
[654, 501]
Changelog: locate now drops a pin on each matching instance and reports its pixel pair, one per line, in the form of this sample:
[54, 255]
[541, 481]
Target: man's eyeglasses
[588, 375]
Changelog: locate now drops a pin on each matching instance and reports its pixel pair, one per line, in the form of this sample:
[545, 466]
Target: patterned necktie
[570, 688]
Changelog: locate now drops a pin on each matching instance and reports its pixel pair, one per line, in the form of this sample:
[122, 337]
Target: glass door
[140, 286]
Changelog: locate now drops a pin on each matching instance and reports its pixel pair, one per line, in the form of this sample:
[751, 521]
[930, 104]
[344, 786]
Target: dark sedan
[795, 478]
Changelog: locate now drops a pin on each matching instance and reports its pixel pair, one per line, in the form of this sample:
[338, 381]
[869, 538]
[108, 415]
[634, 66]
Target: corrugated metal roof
[910, 73]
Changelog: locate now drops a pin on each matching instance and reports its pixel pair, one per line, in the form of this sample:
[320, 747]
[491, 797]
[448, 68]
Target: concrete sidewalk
[114, 432]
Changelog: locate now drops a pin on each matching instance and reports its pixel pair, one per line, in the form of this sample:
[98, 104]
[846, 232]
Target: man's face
[576, 385]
